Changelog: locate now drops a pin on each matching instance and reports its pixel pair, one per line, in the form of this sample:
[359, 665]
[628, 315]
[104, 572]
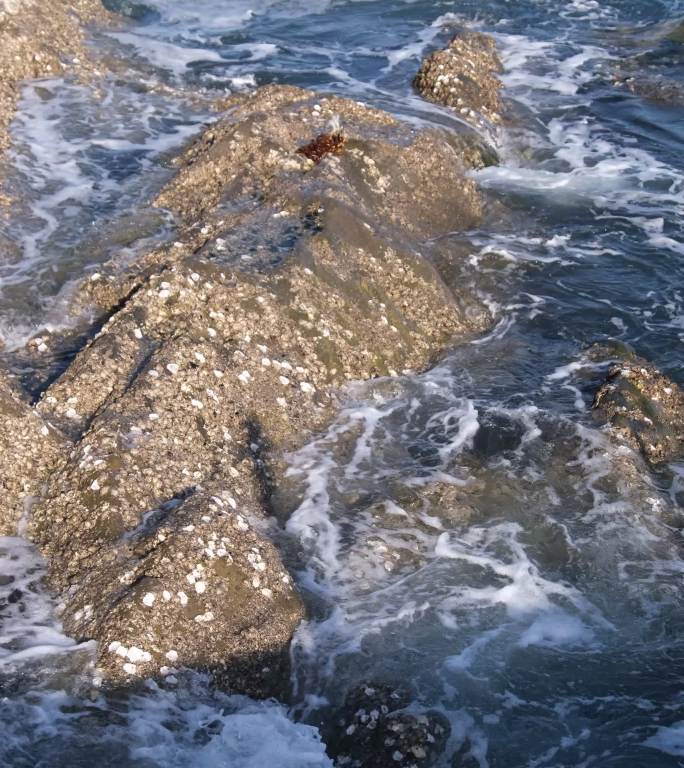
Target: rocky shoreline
[146, 471]
[304, 258]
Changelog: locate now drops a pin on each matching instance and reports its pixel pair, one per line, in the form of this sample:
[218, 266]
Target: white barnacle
[136, 654]
[200, 587]
[172, 656]
[245, 377]
[172, 368]
[183, 598]
[149, 599]
[307, 388]
[197, 403]
[130, 669]
[284, 380]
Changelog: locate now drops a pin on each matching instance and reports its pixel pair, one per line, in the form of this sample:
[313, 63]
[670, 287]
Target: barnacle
[324, 144]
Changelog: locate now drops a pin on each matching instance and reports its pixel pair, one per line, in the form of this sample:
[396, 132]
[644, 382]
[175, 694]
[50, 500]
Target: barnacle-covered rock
[645, 407]
[29, 448]
[287, 279]
[464, 76]
[376, 728]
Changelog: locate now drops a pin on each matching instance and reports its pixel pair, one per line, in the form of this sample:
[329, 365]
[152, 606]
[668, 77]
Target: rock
[656, 88]
[646, 72]
[194, 586]
[675, 33]
[375, 730]
[29, 449]
[206, 365]
[464, 76]
[645, 407]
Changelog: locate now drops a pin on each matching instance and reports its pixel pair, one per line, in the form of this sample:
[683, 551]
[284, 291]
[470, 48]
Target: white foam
[668, 739]
[166, 55]
[557, 629]
[251, 734]
[29, 629]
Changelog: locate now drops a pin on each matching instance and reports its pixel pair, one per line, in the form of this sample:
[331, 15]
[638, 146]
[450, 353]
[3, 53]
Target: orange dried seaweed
[324, 144]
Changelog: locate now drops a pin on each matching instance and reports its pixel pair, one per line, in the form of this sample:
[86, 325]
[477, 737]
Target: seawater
[469, 530]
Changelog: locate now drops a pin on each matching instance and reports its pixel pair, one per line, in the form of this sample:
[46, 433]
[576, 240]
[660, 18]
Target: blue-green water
[538, 603]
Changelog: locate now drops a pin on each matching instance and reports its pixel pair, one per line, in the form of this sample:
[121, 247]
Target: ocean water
[470, 531]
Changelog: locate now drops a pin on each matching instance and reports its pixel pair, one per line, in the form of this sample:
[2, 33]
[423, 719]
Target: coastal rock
[214, 353]
[651, 87]
[375, 730]
[645, 407]
[29, 448]
[658, 47]
[464, 76]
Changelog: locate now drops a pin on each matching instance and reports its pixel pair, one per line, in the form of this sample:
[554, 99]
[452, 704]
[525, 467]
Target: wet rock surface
[463, 76]
[645, 407]
[375, 729]
[639, 74]
[289, 277]
[29, 448]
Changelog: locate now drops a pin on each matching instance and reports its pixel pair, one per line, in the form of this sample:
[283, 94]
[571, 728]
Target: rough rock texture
[464, 76]
[647, 73]
[39, 39]
[659, 89]
[29, 448]
[376, 730]
[645, 407]
[288, 279]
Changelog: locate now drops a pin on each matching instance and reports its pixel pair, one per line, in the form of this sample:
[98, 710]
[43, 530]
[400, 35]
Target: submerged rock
[656, 88]
[464, 76]
[377, 729]
[645, 407]
[659, 47]
[289, 278]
